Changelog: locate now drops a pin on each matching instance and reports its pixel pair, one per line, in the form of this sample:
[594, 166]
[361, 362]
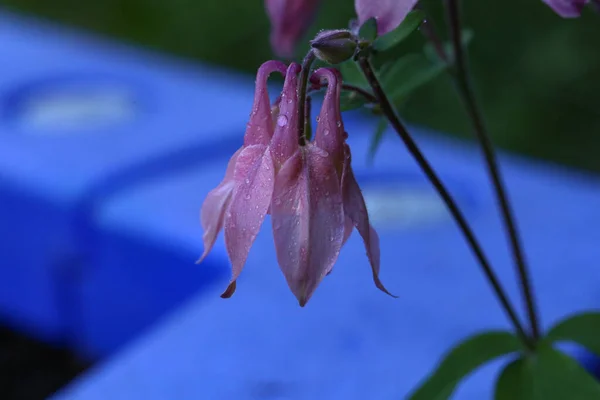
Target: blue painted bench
[351, 341]
[80, 121]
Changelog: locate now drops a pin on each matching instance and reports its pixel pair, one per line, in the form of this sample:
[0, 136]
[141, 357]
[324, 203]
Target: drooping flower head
[388, 13]
[567, 8]
[307, 187]
[289, 21]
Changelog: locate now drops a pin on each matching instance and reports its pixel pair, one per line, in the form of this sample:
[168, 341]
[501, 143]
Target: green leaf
[559, 377]
[376, 140]
[350, 100]
[352, 74]
[464, 359]
[368, 30]
[408, 74]
[546, 375]
[515, 381]
[583, 329]
[412, 21]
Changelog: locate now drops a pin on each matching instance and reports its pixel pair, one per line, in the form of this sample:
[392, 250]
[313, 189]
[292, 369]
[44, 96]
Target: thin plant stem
[424, 164]
[358, 90]
[465, 89]
[302, 92]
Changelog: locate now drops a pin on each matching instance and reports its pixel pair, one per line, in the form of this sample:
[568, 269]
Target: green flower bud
[334, 47]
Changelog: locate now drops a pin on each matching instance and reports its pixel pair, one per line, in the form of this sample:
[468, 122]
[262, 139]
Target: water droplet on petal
[327, 193]
[339, 124]
[290, 101]
[277, 202]
[248, 196]
[326, 132]
[282, 120]
[247, 181]
[318, 119]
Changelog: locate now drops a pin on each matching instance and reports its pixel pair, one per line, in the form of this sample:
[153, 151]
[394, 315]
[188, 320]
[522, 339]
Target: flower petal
[259, 129]
[356, 209]
[348, 228]
[567, 8]
[308, 220]
[330, 128]
[214, 207]
[285, 138]
[249, 204]
[389, 13]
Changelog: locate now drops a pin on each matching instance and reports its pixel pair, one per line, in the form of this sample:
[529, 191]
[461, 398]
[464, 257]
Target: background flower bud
[335, 46]
[289, 21]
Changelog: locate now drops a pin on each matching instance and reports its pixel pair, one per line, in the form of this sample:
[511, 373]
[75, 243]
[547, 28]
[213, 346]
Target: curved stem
[306, 64]
[368, 96]
[358, 90]
[414, 150]
[465, 89]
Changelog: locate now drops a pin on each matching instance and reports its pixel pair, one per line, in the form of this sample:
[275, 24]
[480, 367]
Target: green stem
[369, 98]
[306, 64]
[465, 89]
[388, 110]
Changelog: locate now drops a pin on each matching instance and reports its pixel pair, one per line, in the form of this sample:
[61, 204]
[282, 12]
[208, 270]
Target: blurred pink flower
[567, 8]
[388, 13]
[289, 21]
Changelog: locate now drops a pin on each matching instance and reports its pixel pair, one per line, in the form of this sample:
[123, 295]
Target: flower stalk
[390, 114]
[465, 90]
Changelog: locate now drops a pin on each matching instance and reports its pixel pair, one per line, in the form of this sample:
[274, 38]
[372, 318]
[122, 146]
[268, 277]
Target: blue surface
[351, 341]
[80, 121]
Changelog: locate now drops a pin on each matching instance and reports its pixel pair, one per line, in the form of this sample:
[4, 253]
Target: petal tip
[229, 291]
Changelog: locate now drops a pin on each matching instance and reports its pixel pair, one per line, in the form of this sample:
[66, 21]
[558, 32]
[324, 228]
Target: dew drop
[248, 196]
[339, 124]
[326, 132]
[277, 202]
[282, 120]
[331, 238]
[327, 193]
[318, 119]
[289, 101]
[247, 181]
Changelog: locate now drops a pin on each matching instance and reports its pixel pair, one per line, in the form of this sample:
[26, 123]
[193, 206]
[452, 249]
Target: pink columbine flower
[567, 8]
[289, 21]
[388, 13]
[308, 188]
[251, 163]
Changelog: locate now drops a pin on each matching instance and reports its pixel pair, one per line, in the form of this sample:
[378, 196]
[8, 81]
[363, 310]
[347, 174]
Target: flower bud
[334, 47]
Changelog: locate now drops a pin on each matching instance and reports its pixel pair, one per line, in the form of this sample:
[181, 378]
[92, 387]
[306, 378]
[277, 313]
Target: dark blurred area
[536, 74]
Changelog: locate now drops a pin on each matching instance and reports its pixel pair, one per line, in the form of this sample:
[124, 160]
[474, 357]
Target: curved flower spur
[308, 188]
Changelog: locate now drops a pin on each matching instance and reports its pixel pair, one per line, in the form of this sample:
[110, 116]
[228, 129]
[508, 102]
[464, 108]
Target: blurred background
[537, 76]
